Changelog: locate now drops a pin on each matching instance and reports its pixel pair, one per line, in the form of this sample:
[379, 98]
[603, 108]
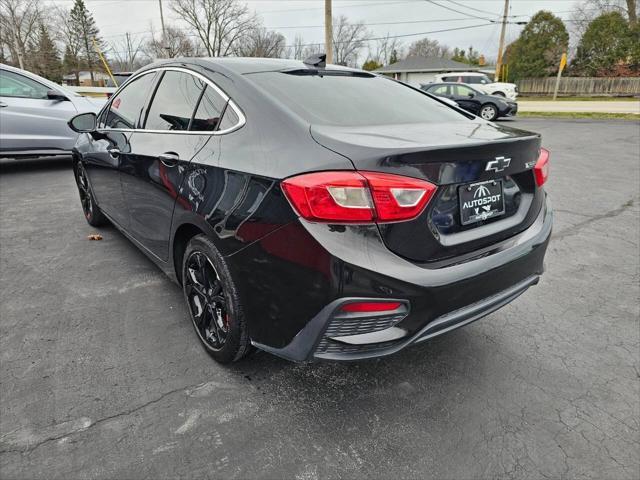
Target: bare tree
[176, 43]
[384, 49]
[312, 49]
[261, 42]
[128, 54]
[585, 11]
[218, 23]
[428, 48]
[296, 50]
[348, 40]
[19, 20]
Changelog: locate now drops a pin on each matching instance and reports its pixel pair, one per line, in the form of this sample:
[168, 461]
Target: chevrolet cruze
[315, 211]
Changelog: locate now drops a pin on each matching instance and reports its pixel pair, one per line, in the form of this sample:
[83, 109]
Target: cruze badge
[498, 165]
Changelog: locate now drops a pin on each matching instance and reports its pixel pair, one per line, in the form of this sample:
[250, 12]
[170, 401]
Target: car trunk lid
[470, 154]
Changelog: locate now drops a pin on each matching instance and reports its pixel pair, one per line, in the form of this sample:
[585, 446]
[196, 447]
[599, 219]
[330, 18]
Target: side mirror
[84, 122]
[55, 95]
[471, 95]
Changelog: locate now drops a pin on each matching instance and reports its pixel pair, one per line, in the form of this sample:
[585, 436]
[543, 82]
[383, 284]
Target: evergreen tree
[370, 65]
[45, 56]
[538, 49]
[71, 62]
[83, 23]
[607, 44]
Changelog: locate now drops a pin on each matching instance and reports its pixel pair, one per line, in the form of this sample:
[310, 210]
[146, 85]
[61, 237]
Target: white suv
[480, 82]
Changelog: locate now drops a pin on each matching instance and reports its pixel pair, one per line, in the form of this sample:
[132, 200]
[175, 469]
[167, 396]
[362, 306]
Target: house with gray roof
[418, 70]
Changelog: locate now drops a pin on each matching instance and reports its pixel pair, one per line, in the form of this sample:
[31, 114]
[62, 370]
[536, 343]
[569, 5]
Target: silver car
[34, 113]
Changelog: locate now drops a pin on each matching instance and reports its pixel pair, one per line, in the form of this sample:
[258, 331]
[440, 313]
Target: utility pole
[501, 46]
[164, 33]
[328, 31]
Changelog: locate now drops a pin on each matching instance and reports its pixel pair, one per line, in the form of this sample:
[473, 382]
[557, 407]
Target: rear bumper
[439, 300]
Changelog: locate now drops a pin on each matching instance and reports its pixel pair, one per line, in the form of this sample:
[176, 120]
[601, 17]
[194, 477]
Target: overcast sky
[306, 17]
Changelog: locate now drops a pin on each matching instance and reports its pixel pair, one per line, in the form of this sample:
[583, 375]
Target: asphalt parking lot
[102, 377]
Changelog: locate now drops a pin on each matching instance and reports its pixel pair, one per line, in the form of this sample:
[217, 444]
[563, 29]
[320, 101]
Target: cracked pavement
[101, 375]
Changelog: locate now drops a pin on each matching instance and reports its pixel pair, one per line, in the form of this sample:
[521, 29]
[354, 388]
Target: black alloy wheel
[91, 211]
[213, 301]
[207, 303]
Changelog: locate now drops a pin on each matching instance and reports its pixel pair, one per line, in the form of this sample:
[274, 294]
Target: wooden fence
[612, 86]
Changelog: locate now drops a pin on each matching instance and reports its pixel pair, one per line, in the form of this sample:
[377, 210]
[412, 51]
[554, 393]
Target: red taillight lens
[357, 197]
[398, 198]
[362, 307]
[541, 169]
[330, 196]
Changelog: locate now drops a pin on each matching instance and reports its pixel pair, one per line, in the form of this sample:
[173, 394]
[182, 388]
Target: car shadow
[24, 165]
[434, 365]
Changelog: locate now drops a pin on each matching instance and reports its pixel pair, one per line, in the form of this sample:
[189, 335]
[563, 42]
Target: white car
[481, 82]
[34, 113]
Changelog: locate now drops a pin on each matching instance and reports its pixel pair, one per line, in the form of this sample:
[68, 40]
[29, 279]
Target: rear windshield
[347, 100]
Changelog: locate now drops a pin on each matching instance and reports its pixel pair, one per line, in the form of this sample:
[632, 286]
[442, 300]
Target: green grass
[578, 99]
[591, 115]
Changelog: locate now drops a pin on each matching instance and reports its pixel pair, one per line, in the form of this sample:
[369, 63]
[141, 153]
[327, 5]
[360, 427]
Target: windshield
[353, 100]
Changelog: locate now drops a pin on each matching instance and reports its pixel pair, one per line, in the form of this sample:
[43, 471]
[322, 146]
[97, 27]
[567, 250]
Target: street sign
[563, 61]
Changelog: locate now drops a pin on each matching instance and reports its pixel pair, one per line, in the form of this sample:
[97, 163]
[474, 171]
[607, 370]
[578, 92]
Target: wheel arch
[183, 234]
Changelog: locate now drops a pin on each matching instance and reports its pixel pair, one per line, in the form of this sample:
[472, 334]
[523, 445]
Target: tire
[499, 94]
[489, 112]
[213, 302]
[92, 212]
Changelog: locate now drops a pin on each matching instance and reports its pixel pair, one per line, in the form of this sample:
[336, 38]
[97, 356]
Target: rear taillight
[541, 169]
[357, 197]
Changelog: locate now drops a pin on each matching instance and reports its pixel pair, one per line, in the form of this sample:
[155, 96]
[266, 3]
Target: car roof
[469, 74]
[448, 83]
[244, 65]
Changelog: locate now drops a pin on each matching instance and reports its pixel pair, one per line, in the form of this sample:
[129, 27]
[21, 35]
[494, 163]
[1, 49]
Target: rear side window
[472, 80]
[464, 91]
[230, 119]
[352, 100]
[441, 90]
[15, 85]
[126, 106]
[174, 102]
[207, 117]
[452, 79]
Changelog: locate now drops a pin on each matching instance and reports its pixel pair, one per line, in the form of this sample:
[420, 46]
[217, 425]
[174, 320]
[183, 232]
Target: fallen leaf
[95, 236]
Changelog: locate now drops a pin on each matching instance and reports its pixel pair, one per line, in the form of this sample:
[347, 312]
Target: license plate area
[481, 201]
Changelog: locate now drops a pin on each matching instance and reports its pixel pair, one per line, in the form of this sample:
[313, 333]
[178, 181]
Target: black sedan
[305, 214]
[488, 107]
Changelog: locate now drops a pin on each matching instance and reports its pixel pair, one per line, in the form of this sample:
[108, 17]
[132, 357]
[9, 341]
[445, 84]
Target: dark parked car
[486, 106]
[306, 214]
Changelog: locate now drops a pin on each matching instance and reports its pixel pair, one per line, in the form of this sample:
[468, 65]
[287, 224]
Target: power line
[376, 24]
[474, 9]
[339, 6]
[404, 35]
[458, 11]
[283, 27]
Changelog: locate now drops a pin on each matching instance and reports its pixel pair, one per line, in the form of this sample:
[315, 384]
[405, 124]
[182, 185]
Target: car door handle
[169, 159]
[2, 104]
[114, 152]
